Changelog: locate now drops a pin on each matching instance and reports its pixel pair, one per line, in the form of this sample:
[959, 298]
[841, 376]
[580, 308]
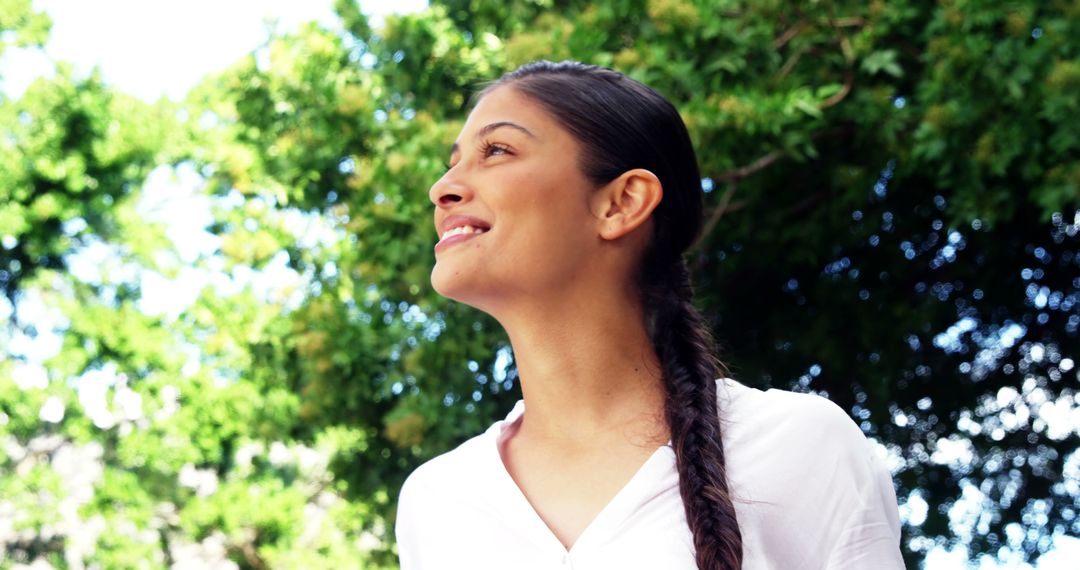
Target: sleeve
[870, 537]
[810, 488]
[405, 526]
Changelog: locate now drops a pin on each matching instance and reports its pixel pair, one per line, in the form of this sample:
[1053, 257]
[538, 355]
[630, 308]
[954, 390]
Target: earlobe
[626, 203]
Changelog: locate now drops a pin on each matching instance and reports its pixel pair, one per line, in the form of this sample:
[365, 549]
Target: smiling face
[512, 211]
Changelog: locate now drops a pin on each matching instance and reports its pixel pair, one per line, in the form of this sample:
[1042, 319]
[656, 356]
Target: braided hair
[621, 125]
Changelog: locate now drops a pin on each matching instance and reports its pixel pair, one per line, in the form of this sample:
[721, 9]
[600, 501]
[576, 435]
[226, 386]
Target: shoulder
[444, 501]
[806, 479]
[451, 474]
[801, 445]
[459, 477]
[432, 493]
[790, 421]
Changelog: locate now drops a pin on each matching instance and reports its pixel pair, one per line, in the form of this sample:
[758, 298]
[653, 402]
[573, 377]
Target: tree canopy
[893, 196]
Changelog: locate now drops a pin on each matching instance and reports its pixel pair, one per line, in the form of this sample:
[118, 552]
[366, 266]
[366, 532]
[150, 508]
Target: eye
[489, 149]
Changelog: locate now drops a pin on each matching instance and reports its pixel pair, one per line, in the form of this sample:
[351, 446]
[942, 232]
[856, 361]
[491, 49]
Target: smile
[458, 234]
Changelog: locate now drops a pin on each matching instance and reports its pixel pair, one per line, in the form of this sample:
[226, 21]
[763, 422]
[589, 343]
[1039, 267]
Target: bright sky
[155, 48]
[150, 48]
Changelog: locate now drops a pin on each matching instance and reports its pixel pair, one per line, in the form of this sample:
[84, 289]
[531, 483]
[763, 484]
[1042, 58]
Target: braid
[684, 346]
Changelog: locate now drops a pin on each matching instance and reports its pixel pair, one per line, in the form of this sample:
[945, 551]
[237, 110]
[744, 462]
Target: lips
[458, 228]
[461, 220]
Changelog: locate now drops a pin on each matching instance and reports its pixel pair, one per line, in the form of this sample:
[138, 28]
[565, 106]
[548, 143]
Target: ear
[624, 204]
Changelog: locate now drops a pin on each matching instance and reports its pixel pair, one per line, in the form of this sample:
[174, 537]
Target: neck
[588, 371]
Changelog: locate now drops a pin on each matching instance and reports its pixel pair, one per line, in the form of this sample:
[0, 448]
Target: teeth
[462, 230]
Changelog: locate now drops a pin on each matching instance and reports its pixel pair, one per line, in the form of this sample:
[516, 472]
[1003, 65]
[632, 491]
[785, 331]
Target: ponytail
[684, 346]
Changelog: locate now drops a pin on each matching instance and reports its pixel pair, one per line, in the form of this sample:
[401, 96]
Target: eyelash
[486, 147]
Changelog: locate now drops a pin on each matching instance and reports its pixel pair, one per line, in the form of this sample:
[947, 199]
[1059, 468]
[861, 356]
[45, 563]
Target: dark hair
[621, 125]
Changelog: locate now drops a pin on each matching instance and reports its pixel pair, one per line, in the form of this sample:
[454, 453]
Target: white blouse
[809, 492]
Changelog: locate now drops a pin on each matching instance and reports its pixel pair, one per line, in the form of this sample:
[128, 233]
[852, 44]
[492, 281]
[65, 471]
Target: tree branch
[250, 554]
[849, 81]
[790, 63]
[717, 213]
[744, 171]
[789, 34]
[850, 22]
[805, 204]
[733, 176]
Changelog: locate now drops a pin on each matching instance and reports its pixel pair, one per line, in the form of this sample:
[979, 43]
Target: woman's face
[512, 212]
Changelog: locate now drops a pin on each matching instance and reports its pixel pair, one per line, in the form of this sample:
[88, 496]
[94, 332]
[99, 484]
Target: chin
[454, 284]
[441, 283]
[481, 292]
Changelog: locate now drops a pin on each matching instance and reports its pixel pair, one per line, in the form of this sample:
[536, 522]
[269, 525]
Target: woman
[571, 195]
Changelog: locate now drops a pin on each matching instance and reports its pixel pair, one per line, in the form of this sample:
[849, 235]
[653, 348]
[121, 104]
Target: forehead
[508, 104]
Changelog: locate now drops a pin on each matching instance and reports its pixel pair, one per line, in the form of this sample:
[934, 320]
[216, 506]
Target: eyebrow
[491, 127]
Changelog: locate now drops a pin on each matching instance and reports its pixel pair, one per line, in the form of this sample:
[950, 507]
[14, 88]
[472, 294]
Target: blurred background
[220, 348]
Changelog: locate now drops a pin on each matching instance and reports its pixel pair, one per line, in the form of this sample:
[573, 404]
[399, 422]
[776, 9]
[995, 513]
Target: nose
[448, 191]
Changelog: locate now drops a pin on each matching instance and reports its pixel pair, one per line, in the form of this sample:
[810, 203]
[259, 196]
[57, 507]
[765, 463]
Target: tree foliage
[892, 193]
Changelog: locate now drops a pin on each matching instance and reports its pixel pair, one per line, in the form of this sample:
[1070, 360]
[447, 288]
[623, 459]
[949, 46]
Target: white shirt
[809, 494]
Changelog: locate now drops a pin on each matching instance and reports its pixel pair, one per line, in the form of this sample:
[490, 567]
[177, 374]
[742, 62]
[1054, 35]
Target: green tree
[866, 165]
[144, 441]
[892, 192]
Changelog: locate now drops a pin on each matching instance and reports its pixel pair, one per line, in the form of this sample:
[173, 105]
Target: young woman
[571, 195]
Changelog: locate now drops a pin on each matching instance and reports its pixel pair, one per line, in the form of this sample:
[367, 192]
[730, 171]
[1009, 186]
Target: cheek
[528, 256]
[544, 236]
[546, 240]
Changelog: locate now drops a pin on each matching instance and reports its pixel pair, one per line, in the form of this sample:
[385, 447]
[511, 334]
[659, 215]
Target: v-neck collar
[647, 482]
